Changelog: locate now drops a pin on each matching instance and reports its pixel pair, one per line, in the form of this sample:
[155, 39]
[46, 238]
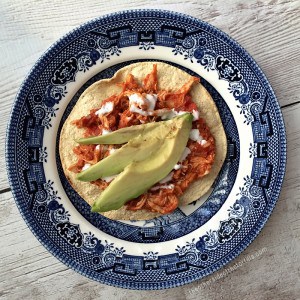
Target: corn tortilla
[169, 78]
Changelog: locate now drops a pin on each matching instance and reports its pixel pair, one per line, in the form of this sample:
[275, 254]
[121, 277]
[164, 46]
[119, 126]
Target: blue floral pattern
[72, 234]
[194, 49]
[66, 72]
[237, 215]
[247, 111]
[43, 154]
[146, 45]
[227, 70]
[68, 69]
[106, 259]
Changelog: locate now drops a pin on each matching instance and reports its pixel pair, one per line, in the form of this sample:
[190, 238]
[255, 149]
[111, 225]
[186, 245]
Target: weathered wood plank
[269, 30]
[28, 271]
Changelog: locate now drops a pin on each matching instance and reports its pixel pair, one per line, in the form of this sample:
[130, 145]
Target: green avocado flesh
[120, 136]
[138, 177]
[144, 140]
[137, 149]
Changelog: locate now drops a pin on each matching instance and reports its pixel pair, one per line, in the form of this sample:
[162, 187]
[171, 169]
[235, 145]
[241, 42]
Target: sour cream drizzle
[112, 150]
[165, 186]
[169, 113]
[105, 109]
[177, 167]
[104, 131]
[143, 105]
[109, 178]
[85, 167]
[195, 136]
[195, 114]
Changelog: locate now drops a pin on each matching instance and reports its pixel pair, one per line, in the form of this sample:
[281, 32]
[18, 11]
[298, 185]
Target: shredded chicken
[196, 165]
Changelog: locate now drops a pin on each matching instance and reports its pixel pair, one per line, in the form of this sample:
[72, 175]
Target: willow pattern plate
[195, 240]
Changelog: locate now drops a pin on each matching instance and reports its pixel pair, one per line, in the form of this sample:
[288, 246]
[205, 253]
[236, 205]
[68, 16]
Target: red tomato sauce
[196, 165]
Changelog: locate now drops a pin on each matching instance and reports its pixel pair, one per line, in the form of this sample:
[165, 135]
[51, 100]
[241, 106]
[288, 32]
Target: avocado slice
[136, 149]
[138, 177]
[120, 136]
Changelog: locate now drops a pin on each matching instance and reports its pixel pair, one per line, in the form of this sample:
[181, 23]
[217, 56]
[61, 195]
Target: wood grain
[28, 271]
[270, 31]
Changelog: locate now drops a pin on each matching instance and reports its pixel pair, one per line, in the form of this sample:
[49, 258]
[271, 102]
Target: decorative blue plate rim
[35, 228]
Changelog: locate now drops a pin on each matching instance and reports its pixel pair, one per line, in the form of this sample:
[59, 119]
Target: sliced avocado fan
[136, 149]
[144, 140]
[138, 177]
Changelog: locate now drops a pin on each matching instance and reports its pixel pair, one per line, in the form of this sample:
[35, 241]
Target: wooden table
[269, 267]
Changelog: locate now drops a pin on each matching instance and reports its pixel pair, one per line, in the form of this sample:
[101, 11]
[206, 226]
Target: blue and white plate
[195, 240]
